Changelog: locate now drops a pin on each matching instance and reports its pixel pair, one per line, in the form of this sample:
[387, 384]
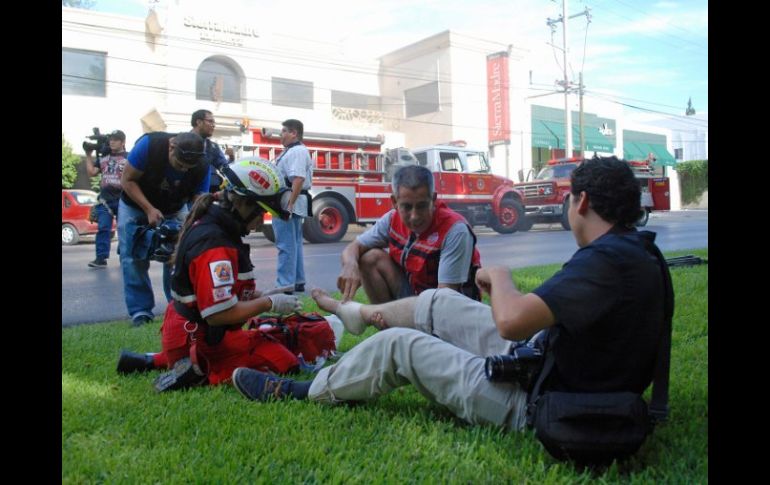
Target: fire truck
[352, 175]
[545, 197]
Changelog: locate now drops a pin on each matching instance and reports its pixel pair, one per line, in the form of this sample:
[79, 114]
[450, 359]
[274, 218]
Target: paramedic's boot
[182, 375]
[133, 362]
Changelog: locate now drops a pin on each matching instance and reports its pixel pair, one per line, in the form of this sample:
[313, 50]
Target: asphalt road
[96, 295]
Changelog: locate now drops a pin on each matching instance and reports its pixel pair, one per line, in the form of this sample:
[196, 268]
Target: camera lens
[500, 367]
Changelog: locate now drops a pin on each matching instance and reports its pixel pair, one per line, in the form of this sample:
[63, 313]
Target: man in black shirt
[605, 305]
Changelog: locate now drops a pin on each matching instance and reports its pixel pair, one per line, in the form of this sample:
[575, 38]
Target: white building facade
[150, 74]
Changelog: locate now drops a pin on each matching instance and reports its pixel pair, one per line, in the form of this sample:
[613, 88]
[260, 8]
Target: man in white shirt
[296, 167]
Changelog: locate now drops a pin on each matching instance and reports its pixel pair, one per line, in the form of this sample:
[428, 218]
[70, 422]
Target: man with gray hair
[429, 246]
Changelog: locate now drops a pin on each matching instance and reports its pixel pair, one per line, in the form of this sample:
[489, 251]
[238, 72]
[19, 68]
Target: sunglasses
[188, 157]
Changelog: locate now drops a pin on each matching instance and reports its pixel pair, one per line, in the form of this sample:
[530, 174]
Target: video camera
[101, 145]
[156, 243]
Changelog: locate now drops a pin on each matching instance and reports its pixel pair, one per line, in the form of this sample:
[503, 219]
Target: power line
[397, 73]
[158, 89]
[660, 18]
[648, 35]
[682, 118]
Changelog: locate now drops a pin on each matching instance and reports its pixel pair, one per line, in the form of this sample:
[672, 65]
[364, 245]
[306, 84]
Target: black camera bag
[591, 427]
[597, 428]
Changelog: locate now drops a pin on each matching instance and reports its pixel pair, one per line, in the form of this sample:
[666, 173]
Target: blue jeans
[103, 236]
[137, 288]
[288, 240]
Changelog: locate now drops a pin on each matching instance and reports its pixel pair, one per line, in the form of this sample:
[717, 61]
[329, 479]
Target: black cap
[117, 135]
[189, 148]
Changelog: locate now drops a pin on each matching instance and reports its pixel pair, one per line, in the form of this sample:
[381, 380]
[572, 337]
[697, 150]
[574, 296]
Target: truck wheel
[525, 224]
[329, 222]
[267, 231]
[510, 216]
[564, 217]
[642, 221]
[69, 235]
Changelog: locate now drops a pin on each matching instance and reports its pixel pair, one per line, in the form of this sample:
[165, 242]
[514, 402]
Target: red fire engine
[352, 174]
[545, 197]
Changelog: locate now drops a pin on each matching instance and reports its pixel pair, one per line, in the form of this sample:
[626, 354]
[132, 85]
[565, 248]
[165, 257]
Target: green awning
[544, 136]
[631, 151]
[594, 140]
[664, 158]
[640, 151]
[550, 134]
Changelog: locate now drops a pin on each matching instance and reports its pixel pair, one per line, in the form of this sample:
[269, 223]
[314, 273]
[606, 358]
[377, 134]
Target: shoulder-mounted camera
[100, 143]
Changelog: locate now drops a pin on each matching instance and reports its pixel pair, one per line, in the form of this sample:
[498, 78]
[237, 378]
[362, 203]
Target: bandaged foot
[349, 312]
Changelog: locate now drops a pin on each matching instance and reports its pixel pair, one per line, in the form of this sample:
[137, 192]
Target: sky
[650, 56]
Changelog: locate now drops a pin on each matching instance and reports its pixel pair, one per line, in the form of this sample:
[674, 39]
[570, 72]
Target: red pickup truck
[545, 197]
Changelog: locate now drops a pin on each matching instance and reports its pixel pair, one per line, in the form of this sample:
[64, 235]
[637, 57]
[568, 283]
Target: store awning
[594, 140]
[550, 134]
[641, 151]
[544, 136]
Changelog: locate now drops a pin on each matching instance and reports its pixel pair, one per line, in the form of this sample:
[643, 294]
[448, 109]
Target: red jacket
[421, 262]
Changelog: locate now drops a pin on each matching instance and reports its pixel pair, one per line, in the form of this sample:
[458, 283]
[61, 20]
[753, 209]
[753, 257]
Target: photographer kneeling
[604, 313]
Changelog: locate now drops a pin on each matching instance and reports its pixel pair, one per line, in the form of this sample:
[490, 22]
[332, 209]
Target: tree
[690, 110]
[69, 163]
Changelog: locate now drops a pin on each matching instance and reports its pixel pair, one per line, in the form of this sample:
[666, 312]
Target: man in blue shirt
[164, 172]
[203, 124]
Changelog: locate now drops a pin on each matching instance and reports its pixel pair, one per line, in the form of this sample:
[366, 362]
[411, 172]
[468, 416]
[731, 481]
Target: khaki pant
[443, 359]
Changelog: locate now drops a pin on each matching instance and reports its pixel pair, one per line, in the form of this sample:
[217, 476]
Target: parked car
[75, 206]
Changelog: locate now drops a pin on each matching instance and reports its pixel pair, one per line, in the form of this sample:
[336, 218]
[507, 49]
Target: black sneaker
[129, 362]
[259, 386]
[98, 263]
[299, 287]
[140, 320]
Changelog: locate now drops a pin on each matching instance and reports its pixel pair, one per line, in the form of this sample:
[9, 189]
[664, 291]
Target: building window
[217, 80]
[679, 153]
[422, 99]
[344, 99]
[290, 92]
[83, 72]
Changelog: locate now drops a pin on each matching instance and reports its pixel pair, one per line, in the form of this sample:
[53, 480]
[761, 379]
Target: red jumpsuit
[218, 275]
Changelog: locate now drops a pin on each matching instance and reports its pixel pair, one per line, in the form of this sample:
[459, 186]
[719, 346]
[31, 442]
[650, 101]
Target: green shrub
[69, 162]
[693, 179]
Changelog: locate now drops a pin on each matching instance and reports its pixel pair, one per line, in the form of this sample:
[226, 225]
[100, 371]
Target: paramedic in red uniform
[213, 283]
[429, 246]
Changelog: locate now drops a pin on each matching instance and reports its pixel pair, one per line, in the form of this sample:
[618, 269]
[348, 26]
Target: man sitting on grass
[604, 311]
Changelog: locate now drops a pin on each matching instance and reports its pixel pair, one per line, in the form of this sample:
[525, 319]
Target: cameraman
[604, 305]
[164, 172]
[110, 165]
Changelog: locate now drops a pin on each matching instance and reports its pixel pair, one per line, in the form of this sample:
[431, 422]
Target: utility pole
[582, 136]
[566, 84]
[567, 113]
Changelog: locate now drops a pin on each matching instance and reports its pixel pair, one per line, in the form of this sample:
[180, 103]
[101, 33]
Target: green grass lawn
[116, 429]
